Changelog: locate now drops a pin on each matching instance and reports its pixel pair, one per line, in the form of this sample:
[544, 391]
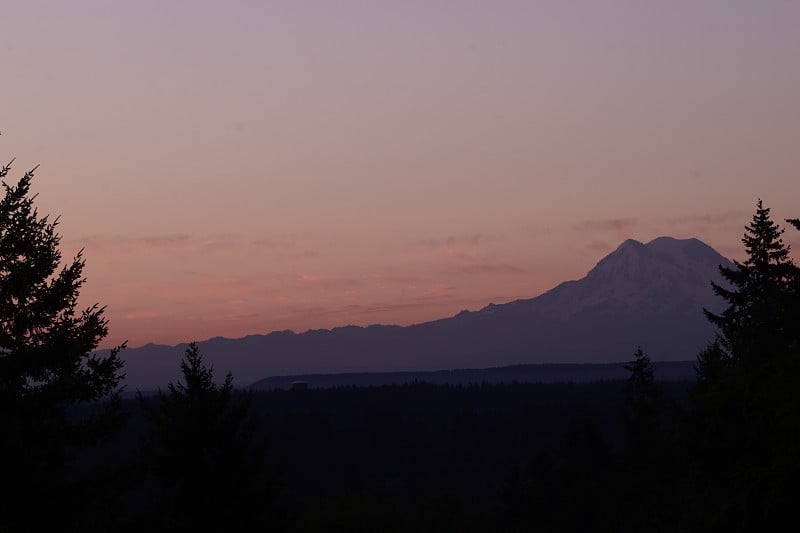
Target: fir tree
[794, 318]
[203, 453]
[49, 370]
[756, 324]
[642, 408]
[746, 409]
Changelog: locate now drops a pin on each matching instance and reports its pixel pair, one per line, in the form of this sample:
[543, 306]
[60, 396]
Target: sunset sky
[240, 167]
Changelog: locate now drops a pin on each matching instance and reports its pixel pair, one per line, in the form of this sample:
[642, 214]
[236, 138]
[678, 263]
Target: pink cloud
[432, 293]
[711, 218]
[472, 240]
[488, 268]
[608, 224]
[327, 282]
[209, 242]
[219, 242]
[126, 243]
[285, 241]
[395, 276]
[233, 317]
[598, 246]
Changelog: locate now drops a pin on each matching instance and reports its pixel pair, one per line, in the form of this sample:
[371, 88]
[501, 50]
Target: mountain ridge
[639, 294]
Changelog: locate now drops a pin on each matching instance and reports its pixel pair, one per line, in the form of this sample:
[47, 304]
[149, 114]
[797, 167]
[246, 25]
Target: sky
[239, 167]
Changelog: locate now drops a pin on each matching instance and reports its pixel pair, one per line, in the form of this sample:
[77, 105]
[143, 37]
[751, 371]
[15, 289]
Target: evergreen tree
[203, 453]
[746, 409]
[712, 364]
[756, 324]
[646, 459]
[794, 318]
[642, 408]
[56, 393]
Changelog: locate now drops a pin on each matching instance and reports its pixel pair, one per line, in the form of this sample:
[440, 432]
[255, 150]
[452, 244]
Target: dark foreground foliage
[201, 452]
[57, 396]
[718, 454]
[427, 457]
[722, 453]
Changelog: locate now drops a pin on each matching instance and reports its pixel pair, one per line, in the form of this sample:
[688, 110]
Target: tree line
[723, 455]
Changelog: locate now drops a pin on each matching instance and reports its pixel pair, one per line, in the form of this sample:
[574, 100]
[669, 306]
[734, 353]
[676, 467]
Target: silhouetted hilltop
[542, 373]
[641, 294]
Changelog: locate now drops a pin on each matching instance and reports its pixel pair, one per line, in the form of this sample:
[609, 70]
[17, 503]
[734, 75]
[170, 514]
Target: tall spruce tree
[642, 407]
[203, 454]
[794, 318]
[746, 406]
[756, 324]
[647, 461]
[51, 378]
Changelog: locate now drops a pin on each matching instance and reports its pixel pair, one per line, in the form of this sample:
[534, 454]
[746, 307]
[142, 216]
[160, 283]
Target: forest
[639, 454]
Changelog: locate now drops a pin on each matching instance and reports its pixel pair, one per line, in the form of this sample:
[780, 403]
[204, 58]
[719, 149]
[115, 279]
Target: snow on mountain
[640, 294]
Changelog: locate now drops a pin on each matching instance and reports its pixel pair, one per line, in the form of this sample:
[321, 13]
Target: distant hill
[648, 295]
[541, 373]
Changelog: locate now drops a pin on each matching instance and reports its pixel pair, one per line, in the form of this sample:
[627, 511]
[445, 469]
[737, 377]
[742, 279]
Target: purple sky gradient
[241, 167]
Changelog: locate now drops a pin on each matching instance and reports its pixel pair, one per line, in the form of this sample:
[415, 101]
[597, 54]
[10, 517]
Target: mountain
[649, 295]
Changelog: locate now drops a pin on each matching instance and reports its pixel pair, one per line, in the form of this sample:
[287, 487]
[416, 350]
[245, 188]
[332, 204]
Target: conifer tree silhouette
[746, 408]
[642, 407]
[203, 453]
[48, 365]
[756, 322]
